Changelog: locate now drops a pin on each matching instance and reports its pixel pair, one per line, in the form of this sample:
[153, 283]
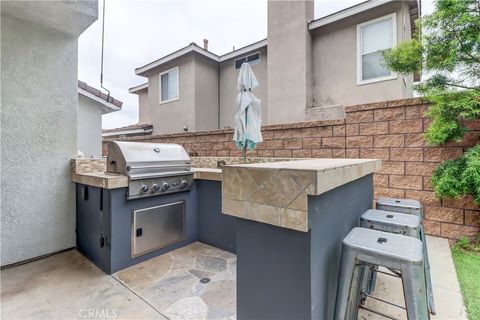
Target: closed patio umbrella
[248, 120]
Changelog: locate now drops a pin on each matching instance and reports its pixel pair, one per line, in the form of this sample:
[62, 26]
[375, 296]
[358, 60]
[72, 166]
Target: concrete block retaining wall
[391, 130]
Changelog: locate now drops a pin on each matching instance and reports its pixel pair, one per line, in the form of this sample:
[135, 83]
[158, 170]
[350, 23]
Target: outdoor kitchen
[235, 185]
[148, 200]
[265, 234]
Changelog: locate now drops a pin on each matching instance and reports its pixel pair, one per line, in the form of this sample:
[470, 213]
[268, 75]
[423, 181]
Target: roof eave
[107, 107]
[194, 48]
[191, 48]
[348, 12]
[241, 51]
[126, 132]
[139, 88]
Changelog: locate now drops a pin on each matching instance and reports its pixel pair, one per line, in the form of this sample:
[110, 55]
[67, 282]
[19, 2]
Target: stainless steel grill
[152, 168]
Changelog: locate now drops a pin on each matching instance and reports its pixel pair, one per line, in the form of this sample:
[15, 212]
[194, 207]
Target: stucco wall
[206, 94]
[335, 61]
[228, 87]
[39, 137]
[173, 116]
[89, 127]
[289, 60]
[143, 107]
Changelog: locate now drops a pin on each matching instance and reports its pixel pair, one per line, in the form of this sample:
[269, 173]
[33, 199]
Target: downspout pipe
[218, 95]
[101, 63]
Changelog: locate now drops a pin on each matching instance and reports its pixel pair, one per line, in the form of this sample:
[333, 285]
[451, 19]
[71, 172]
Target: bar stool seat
[371, 247]
[394, 222]
[409, 206]
[387, 221]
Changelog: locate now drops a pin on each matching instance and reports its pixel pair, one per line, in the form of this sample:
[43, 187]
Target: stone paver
[178, 292]
[68, 286]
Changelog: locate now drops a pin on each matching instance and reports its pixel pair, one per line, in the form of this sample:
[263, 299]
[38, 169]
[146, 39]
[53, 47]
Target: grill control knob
[183, 184]
[155, 187]
[143, 188]
[165, 186]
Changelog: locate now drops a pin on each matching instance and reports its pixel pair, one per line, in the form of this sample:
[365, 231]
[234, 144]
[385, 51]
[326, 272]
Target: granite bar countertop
[277, 192]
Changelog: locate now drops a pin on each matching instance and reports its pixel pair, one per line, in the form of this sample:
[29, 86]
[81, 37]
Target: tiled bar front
[276, 193]
[292, 218]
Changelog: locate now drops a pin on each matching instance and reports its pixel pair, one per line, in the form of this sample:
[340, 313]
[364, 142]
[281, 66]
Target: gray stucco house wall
[196, 108]
[334, 53]
[228, 86]
[89, 127]
[144, 111]
[175, 115]
[206, 93]
[307, 70]
[38, 125]
[289, 60]
[92, 104]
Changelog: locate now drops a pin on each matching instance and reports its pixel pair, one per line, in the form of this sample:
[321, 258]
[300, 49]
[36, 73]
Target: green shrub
[461, 176]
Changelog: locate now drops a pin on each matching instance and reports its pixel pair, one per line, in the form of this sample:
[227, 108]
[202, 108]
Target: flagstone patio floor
[193, 282]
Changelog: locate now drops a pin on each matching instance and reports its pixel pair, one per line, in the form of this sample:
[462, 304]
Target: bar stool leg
[354, 294]
[414, 290]
[431, 303]
[345, 279]
[369, 279]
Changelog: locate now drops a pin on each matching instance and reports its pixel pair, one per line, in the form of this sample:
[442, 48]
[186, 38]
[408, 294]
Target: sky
[138, 32]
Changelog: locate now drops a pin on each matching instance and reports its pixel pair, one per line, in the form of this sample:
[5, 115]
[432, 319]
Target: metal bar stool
[364, 247]
[387, 221]
[410, 206]
[400, 205]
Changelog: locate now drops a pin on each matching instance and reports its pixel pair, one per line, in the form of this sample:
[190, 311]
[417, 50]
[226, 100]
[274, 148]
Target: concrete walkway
[68, 286]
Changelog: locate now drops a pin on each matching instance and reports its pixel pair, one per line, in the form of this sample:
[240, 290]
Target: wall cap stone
[385, 104]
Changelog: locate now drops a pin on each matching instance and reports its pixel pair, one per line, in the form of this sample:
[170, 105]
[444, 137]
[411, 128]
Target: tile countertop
[113, 181]
[101, 179]
[208, 174]
[277, 192]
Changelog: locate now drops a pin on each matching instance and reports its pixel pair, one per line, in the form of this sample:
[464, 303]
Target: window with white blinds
[373, 37]
[168, 85]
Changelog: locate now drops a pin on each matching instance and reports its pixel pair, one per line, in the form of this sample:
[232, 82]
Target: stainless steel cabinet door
[157, 227]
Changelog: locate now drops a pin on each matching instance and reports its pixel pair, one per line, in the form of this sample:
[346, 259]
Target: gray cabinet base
[105, 217]
[214, 228]
[286, 274]
[113, 224]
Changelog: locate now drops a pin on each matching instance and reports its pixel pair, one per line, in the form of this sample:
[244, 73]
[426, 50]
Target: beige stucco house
[308, 69]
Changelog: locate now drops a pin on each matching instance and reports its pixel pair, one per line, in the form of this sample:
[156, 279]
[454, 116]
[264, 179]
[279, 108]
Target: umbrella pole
[244, 151]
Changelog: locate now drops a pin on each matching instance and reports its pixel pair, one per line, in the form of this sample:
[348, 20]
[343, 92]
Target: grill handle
[163, 166]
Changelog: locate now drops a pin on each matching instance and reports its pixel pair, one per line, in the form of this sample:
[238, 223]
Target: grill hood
[140, 160]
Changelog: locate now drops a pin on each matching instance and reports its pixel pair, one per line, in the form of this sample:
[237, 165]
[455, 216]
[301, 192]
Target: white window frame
[160, 86]
[246, 56]
[360, 81]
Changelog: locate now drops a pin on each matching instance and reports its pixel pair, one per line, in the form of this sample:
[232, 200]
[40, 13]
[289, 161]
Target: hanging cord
[103, 42]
